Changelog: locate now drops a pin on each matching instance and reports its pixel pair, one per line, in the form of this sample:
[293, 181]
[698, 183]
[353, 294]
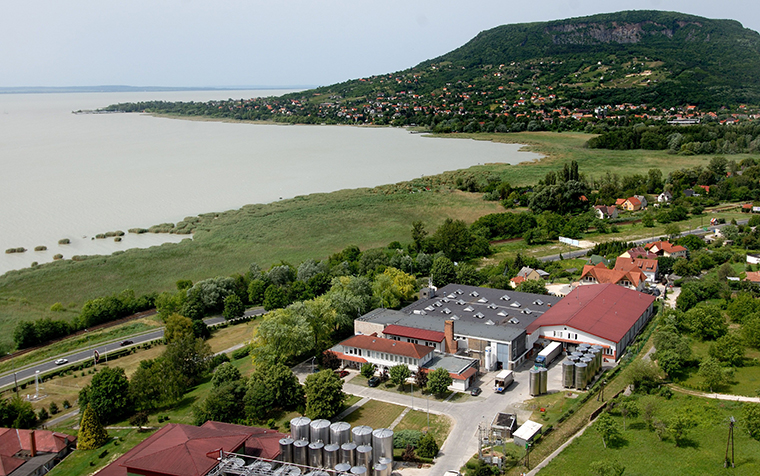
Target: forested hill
[660, 59]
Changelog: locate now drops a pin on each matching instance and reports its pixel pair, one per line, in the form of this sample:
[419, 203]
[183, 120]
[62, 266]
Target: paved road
[25, 373]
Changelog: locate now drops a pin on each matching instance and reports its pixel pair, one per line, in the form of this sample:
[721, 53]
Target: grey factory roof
[452, 363]
[485, 313]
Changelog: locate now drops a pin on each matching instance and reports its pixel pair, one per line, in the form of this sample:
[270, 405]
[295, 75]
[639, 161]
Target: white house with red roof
[664, 248]
[650, 267]
[600, 274]
[382, 353]
[605, 314]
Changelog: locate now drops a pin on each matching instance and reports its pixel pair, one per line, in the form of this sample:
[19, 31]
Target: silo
[543, 380]
[341, 468]
[379, 469]
[597, 351]
[331, 454]
[299, 428]
[580, 375]
[534, 377]
[582, 348]
[359, 471]
[364, 456]
[287, 470]
[316, 454]
[568, 374]
[382, 444]
[488, 358]
[301, 452]
[348, 453]
[387, 460]
[317, 473]
[589, 361]
[576, 354]
[590, 355]
[319, 431]
[286, 450]
[340, 432]
[361, 435]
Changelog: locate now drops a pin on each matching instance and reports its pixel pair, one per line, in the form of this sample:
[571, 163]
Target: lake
[77, 175]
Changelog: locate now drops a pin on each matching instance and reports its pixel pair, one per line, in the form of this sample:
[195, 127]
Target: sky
[287, 43]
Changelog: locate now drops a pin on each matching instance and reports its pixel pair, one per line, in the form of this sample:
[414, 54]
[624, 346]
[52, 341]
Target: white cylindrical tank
[361, 435]
[340, 432]
[382, 444]
[364, 456]
[316, 454]
[299, 428]
[331, 455]
[286, 450]
[319, 431]
[301, 452]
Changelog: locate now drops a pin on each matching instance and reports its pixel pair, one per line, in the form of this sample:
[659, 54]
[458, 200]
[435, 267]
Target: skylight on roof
[469, 309]
[459, 291]
[461, 302]
[502, 313]
[526, 311]
[446, 310]
[505, 298]
[437, 304]
[514, 321]
[483, 300]
[490, 323]
[430, 308]
[491, 306]
[479, 315]
[538, 302]
[515, 304]
[452, 296]
[474, 294]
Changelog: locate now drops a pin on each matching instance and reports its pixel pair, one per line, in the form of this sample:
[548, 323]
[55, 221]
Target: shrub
[241, 352]
[64, 241]
[368, 370]
[427, 447]
[40, 248]
[53, 408]
[57, 257]
[43, 415]
[406, 438]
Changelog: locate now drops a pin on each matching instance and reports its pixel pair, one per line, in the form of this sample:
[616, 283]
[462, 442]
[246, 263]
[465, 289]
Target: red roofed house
[619, 202]
[650, 267]
[600, 274]
[603, 212]
[32, 452]
[185, 450]
[632, 204]
[664, 248]
[605, 314]
[753, 276]
[383, 353]
[639, 252]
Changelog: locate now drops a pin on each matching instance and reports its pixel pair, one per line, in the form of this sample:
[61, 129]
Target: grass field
[228, 242]
[440, 425]
[642, 453]
[375, 414]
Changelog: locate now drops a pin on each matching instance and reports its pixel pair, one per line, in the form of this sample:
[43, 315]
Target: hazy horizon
[255, 44]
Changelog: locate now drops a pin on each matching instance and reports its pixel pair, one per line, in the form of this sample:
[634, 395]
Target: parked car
[374, 381]
[126, 342]
[341, 373]
[61, 361]
[476, 391]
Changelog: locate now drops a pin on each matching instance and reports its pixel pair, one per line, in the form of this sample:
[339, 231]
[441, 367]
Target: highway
[27, 372]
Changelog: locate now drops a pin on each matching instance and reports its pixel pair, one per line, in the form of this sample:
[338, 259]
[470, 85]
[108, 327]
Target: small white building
[753, 259]
[382, 353]
[527, 433]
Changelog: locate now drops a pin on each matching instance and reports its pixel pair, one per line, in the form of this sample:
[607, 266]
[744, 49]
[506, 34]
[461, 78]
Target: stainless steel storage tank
[260, 468]
[364, 456]
[317, 473]
[331, 455]
[320, 431]
[359, 471]
[382, 444]
[589, 361]
[592, 357]
[597, 351]
[580, 375]
[534, 378]
[348, 453]
[301, 452]
[343, 467]
[299, 428]
[387, 461]
[316, 454]
[543, 380]
[340, 432]
[286, 450]
[361, 435]
[568, 374]
[582, 347]
[379, 469]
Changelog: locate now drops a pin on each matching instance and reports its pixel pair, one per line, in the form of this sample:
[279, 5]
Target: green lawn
[746, 379]
[375, 414]
[440, 425]
[81, 462]
[642, 453]
[407, 390]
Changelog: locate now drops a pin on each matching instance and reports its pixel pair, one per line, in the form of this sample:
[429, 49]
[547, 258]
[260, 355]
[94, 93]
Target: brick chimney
[448, 331]
[33, 444]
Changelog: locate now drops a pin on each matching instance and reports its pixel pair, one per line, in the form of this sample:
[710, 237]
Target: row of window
[372, 354]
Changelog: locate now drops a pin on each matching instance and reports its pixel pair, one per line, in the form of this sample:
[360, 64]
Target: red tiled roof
[605, 310]
[612, 276]
[412, 333]
[620, 201]
[8, 464]
[628, 264]
[378, 344]
[634, 201]
[640, 252]
[753, 276]
[517, 279]
[182, 450]
[12, 441]
[352, 358]
[665, 246]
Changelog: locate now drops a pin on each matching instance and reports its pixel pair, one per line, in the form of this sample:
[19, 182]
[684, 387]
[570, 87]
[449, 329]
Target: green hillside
[661, 59]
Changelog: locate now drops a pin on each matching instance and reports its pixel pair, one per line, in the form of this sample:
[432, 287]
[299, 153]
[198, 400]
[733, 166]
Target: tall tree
[442, 272]
[108, 394]
[324, 394]
[91, 435]
[439, 381]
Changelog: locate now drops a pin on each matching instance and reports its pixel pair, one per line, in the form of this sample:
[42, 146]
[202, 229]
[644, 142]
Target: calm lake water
[73, 176]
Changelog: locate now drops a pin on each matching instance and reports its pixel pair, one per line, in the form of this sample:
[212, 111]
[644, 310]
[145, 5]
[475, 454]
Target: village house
[639, 252]
[32, 452]
[665, 197]
[753, 277]
[632, 204]
[604, 212]
[650, 267]
[664, 248]
[600, 274]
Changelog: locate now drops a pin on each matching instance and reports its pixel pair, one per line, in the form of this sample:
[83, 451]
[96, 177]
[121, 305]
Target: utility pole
[15, 382]
[730, 442]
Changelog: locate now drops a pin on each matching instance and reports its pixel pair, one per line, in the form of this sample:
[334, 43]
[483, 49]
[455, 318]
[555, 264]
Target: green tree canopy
[439, 381]
[178, 328]
[399, 374]
[91, 434]
[324, 394]
[607, 428]
[233, 307]
[534, 286]
[108, 394]
[281, 336]
[443, 272]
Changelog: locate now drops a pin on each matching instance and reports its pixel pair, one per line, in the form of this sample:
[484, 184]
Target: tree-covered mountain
[661, 59]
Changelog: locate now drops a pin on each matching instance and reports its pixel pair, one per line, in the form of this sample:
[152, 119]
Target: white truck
[550, 352]
[503, 380]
